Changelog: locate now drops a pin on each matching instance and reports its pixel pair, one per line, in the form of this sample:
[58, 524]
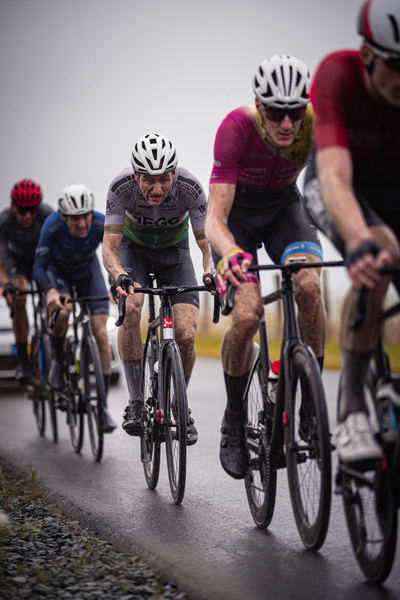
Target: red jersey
[346, 115]
[244, 158]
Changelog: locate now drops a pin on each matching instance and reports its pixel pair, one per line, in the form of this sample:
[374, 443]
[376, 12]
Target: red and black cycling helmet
[26, 193]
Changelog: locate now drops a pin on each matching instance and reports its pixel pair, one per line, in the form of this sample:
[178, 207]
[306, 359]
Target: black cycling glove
[123, 281]
[9, 288]
[367, 247]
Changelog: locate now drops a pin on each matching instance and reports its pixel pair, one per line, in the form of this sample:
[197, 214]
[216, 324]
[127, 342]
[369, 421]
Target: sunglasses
[278, 114]
[24, 210]
[393, 63]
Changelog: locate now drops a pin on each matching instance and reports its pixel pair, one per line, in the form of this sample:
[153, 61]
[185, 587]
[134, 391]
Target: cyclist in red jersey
[352, 193]
[20, 226]
[258, 154]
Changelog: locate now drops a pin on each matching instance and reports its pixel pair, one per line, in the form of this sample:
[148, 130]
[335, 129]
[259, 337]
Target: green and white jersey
[156, 226]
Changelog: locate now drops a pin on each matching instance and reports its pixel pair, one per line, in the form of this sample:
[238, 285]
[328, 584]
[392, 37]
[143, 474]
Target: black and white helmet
[154, 154]
[379, 24]
[282, 81]
[76, 199]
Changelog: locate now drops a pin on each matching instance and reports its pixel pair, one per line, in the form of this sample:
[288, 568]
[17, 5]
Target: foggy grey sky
[82, 80]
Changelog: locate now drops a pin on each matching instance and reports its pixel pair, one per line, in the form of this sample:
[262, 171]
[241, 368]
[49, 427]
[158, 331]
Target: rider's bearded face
[384, 82]
[155, 188]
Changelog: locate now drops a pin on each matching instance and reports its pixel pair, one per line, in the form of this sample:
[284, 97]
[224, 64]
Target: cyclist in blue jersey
[20, 226]
[65, 259]
[147, 218]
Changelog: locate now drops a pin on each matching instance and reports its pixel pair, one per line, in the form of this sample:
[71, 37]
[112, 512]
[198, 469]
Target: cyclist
[258, 154]
[355, 199]
[65, 259]
[20, 226]
[148, 209]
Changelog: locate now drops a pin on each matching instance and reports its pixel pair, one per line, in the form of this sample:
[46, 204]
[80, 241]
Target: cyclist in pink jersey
[353, 194]
[258, 154]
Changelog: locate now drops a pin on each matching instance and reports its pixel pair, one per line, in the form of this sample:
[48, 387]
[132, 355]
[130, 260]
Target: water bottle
[155, 380]
[272, 383]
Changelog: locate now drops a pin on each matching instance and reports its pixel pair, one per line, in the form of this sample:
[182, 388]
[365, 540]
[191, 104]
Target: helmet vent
[395, 28]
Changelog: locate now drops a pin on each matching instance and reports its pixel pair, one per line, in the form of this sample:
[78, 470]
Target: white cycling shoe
[354, 439]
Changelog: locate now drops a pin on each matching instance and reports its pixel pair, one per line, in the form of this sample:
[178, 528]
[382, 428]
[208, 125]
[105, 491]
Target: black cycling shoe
[22, 373]
[109, 424]
[233, 453]
[57, 375]
[134, 415]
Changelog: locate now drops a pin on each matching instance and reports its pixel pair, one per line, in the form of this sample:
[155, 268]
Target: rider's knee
[133, 310]
[247, 318]
[308, 291]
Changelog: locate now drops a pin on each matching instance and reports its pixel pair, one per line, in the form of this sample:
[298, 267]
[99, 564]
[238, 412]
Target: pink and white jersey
[243, 157]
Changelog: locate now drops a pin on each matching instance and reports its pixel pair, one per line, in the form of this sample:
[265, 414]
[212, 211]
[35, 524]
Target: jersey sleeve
[4, 220]
[228, 149]
[328, 98]
[192, 187]
[116, 203]
[43, 253]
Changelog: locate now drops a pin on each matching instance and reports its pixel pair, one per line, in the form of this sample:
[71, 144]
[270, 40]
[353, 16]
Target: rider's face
[155, 188]
[78, 225]
[280, 134]
[25, 216]
[384, 81]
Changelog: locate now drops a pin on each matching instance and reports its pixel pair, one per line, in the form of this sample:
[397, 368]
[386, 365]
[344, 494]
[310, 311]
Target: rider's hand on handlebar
[232, 267]
[122, 286]
[364, 263]
[9, 292]
[53, 300]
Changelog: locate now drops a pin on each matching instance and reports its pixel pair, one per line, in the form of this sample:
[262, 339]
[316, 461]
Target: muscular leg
[186, 317]
[20, 320]
[99, 328]
[130, 346]
[357, 346]
[311, 311]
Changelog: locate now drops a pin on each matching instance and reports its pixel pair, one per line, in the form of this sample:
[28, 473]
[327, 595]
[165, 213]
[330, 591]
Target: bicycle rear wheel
[93, 395]
[149, 448]
[308, 459]
[260, 481]
[75, 408]
[174, 405]
[371, 516]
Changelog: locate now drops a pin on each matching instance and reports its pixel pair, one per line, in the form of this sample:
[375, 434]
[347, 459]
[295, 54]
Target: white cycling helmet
[154, 154]
[379, 24]
[282, 82]
[76, 199]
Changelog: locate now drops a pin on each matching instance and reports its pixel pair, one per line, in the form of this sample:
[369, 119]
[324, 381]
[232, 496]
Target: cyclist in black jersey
[146, 231]
[20, 226]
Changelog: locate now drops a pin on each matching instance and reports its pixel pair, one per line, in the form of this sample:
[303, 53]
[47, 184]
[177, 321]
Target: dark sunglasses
[278, 114]
[23, 210]
[393, 63]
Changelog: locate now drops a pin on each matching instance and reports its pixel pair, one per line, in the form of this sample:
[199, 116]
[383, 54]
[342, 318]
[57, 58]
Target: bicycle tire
[260, 482]
[50, 391]
[93, 395]
[75, 406]
[308, 462]
[371, 517]
[150, 450]
[371, 511]
[39, 393]
[174, 406]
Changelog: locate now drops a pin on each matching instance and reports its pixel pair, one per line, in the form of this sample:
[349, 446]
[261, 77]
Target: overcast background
[82, 80]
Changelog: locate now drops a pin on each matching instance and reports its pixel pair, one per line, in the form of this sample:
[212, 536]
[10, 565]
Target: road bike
[84, 392]
[371, 490]
[291, 429]
[164, 388]
[37, 387]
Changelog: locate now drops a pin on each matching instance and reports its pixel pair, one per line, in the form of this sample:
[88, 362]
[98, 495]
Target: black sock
[58, 345]
[235, 387]
[320, 360]
[22, 351]
[187, 379]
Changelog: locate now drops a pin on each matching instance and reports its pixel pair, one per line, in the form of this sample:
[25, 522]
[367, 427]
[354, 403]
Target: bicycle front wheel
[149, 448]
[260, 481]
[50, 392]
[174, 406]
[75, 407]
[94, 395]
[307, 446]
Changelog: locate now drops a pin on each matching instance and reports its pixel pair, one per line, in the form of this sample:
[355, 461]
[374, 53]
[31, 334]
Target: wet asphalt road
[209, 544]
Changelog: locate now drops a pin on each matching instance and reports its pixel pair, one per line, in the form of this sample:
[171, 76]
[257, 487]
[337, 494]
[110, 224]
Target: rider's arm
[3, 275]
[111, 260]
[335, 173]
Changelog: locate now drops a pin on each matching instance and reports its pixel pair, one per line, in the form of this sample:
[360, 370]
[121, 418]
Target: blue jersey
[58, 248]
